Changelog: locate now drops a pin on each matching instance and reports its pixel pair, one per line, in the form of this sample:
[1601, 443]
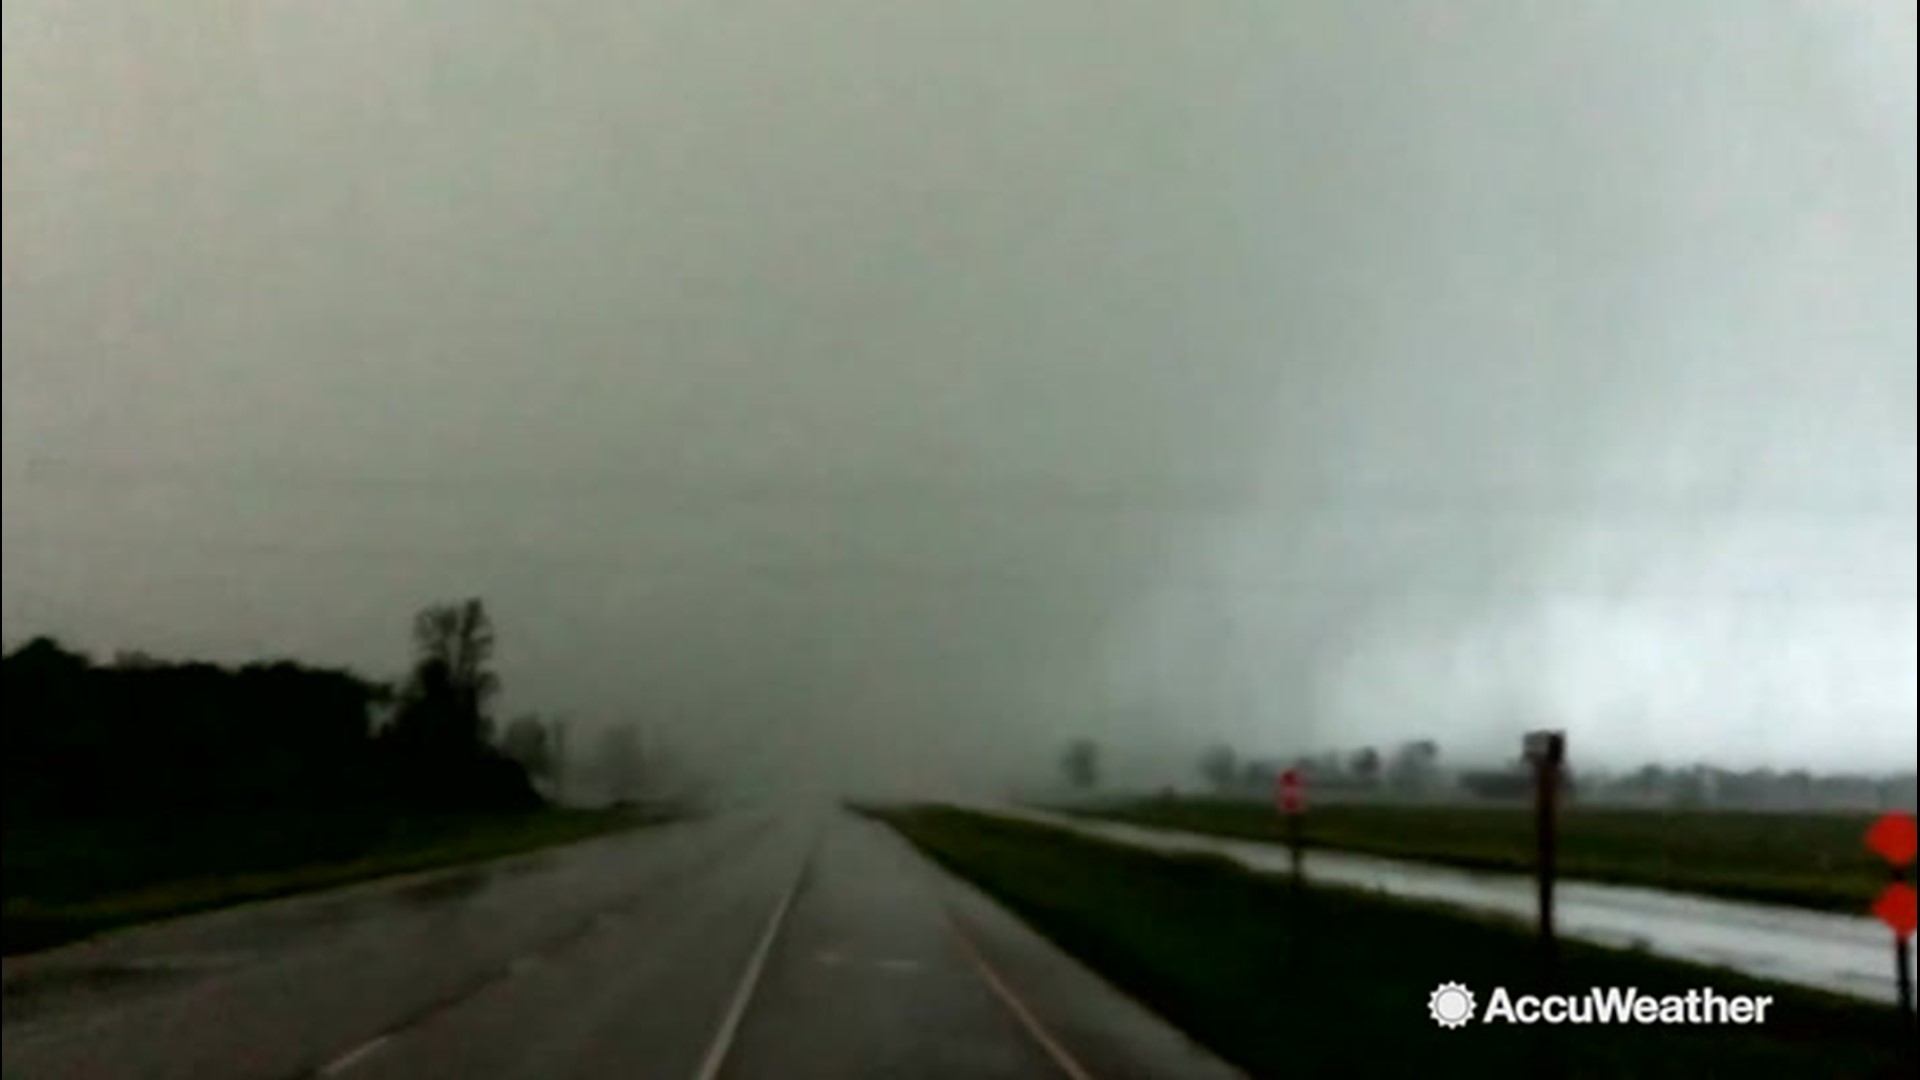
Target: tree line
[1416, 769]
[136, 737]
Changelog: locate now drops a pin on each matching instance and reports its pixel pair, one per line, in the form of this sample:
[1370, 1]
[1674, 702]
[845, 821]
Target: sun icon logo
[1451, 1005]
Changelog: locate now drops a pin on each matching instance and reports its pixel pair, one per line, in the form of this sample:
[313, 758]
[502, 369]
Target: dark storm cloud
[887, 393]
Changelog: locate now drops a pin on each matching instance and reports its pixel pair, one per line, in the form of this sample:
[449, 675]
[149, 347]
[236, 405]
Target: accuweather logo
[1452, 1005]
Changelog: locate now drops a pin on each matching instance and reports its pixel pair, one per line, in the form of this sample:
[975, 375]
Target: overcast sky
[886, 392]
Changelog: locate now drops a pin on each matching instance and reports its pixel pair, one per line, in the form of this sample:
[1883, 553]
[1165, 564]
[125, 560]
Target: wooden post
[1902, 959]
[1903, 972]
[1293, 846]
[1547, 750]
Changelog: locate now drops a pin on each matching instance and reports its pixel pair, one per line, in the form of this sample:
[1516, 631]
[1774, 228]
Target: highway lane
[645, 994]
[799, 944]
[891, 967]
[1845, 954]
[281, 989]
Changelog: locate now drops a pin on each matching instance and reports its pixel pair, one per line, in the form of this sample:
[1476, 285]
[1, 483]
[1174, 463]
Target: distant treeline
[139, 738]
[1414, 769]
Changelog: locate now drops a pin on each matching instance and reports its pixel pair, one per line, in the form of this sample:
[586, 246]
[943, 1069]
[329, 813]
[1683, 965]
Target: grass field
[1334, 983]
[1813, 860]
[69, 880]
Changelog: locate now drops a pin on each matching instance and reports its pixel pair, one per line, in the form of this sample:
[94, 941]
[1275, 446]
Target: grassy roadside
[1810, 860]
[1335, 983]
[70, 881]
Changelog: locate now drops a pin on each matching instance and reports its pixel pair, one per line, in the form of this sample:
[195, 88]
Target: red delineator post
[1892, 838]
[1293, 803]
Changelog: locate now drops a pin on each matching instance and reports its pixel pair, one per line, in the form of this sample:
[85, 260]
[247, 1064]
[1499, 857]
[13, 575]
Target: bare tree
[445, 701]
[460, 637]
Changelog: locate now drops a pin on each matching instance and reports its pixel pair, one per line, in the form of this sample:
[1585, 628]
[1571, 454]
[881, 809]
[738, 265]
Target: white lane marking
[1072, 1068]
[354, 1056]
[749, 980]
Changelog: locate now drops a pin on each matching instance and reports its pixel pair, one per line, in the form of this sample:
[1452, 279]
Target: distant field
[69, 880]
[1335, 982]
[1813, 860]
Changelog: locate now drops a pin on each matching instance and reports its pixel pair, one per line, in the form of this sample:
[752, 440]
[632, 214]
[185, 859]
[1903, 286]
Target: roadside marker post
[1291, 800]
[1892, 837]
[1547, 752]
[1293, 805]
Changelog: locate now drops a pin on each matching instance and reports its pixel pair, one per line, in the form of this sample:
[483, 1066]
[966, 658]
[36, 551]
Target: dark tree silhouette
[1220, 767]
[438, 745]
[144, 739]
[444, 705]
[1415, 765]
[1080, 764]
[150, 738]
[1365, 766]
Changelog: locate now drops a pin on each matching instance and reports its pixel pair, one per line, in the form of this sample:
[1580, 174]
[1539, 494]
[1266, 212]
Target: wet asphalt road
[796, 945]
